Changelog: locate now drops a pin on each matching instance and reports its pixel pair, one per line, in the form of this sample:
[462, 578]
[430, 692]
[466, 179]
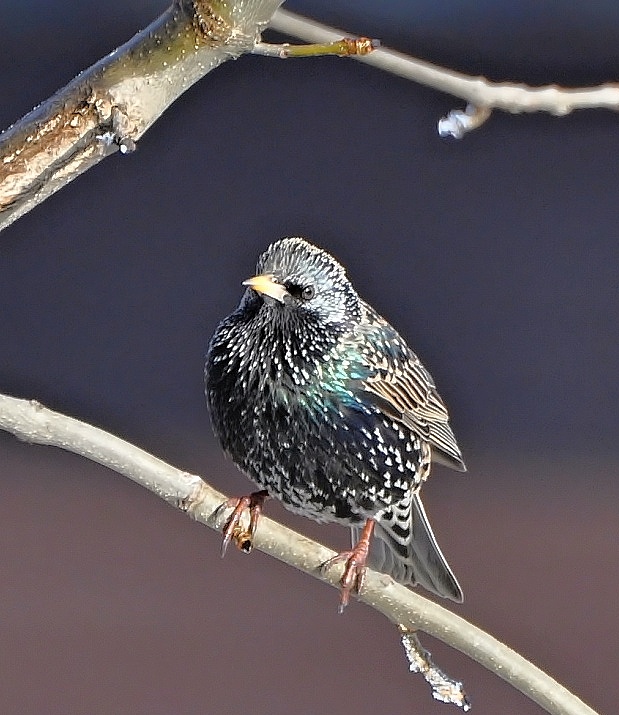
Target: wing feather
[402, 388]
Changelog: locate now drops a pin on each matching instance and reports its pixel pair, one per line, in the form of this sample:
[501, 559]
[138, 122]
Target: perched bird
[325, 407]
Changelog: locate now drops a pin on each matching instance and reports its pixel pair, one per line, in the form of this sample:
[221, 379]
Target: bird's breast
[299, 430]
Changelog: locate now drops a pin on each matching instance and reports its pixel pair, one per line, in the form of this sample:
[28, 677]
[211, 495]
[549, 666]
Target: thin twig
[343, 47]
[476, 91]
[32, 422]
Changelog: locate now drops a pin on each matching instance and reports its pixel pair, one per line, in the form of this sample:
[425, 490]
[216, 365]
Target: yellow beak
[267, 285]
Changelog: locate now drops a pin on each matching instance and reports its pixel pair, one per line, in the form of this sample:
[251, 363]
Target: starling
[324, 406]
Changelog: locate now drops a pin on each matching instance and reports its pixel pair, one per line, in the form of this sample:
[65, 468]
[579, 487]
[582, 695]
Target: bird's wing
[400, 386]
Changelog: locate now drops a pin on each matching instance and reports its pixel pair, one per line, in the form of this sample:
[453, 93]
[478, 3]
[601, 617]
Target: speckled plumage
[322, 404]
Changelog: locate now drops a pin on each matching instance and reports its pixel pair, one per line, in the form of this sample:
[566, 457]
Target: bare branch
[32, 422]
[477, 91]
[109, 106]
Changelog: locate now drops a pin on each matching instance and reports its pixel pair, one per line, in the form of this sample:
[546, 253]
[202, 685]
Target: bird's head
[298, 281]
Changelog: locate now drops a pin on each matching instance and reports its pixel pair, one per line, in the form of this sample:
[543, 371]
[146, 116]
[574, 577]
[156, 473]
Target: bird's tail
[405, 548]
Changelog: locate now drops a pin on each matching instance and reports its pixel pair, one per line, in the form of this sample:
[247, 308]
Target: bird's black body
[322, 404]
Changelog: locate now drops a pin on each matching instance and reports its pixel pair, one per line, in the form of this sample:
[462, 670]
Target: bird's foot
[355, 565]
[234, 529]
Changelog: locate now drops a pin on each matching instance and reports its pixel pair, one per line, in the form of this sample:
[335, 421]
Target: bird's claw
[355, 561]
[234, 528]
[353, 577]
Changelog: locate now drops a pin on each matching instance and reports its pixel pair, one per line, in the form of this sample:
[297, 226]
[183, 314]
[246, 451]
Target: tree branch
[482, 94]
[109, 106]
[32, 422]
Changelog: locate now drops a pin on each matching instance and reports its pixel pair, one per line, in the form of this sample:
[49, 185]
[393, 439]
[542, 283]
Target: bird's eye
[300, 292]
[308, 292]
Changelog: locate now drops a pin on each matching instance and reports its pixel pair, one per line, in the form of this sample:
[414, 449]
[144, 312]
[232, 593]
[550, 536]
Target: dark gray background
[496, 256]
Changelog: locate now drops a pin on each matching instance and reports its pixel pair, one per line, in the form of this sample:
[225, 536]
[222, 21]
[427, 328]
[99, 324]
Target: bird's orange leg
[354, 570]
[233, 529]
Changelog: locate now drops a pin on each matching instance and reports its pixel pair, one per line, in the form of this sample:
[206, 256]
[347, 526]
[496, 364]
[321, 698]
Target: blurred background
[496, 256]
